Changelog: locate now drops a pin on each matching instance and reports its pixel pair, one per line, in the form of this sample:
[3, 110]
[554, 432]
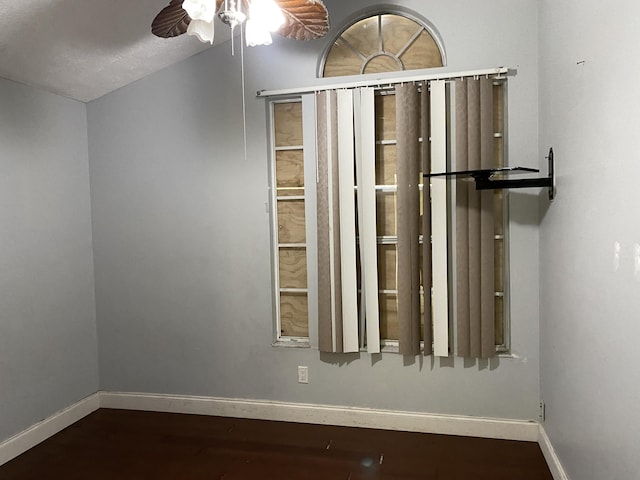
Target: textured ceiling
[83, 49]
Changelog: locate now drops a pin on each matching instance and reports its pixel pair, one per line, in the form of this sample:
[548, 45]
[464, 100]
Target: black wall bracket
[485, 181]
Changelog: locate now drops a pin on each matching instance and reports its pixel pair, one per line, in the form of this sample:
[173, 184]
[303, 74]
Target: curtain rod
[377, 82]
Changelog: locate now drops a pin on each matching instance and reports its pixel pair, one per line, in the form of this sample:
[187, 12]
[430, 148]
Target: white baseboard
[290, 412]
[29, 438]
[326, 415]
[551, 457]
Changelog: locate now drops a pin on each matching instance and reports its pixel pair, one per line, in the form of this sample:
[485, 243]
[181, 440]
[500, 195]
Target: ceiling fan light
[257, 34]
[268, 13]
[204, 31]
[200, 9]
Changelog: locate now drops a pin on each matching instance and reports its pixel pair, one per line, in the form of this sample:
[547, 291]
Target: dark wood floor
[124, 445]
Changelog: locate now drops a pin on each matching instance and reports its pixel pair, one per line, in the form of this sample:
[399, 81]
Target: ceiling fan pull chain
[244, 103]
[233, 48]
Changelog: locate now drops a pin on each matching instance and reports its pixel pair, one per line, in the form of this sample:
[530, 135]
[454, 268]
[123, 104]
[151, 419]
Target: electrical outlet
[303, 374]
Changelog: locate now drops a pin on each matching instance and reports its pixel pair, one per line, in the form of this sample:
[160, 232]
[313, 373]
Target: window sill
[291, 343]
[389, 346]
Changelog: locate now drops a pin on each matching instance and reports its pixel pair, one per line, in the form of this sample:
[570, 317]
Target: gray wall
[590, 310]
[182, 238]
[181, 233]
[48, 346]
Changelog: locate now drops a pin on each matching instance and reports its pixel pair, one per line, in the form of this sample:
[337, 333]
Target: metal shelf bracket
[484, 178]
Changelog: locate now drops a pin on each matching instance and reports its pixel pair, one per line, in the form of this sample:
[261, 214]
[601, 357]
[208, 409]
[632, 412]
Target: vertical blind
[474, 221]
[330, 330]
[364, 106]
[408, 217]
[439, 224]
[346, 220]
[339, 157]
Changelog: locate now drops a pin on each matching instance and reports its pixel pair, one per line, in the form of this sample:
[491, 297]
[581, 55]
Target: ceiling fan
[295, 19]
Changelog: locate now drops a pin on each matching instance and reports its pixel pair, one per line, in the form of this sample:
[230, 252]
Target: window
[294, 214]
[386, 42]
[288, 184]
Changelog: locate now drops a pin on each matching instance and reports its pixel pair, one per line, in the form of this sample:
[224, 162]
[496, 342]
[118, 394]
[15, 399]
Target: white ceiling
[83, 49]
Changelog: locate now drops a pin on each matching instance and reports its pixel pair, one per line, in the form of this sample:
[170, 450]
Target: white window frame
[306, 95]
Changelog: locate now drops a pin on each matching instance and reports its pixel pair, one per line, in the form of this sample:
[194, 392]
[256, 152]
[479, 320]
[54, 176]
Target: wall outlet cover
[303, 374]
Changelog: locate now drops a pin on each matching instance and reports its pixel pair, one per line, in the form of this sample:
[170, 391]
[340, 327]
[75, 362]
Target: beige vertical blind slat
[366, 173]
[439, 220]
[408, 218]
[309, 160]
[347, 216]
[475, 240]
[325, 335]
[426, 218]
[487, 231]
[329, 288]
[334, 208]
[475, 305]
[462, 222]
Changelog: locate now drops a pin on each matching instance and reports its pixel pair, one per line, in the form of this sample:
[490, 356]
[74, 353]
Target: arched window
[305, 267]
[388, 41]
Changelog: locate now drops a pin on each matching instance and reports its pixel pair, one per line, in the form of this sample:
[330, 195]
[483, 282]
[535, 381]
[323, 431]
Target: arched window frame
[377, 11]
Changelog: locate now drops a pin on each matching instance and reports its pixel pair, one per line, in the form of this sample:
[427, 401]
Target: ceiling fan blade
[171, 21]
[304, 19]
